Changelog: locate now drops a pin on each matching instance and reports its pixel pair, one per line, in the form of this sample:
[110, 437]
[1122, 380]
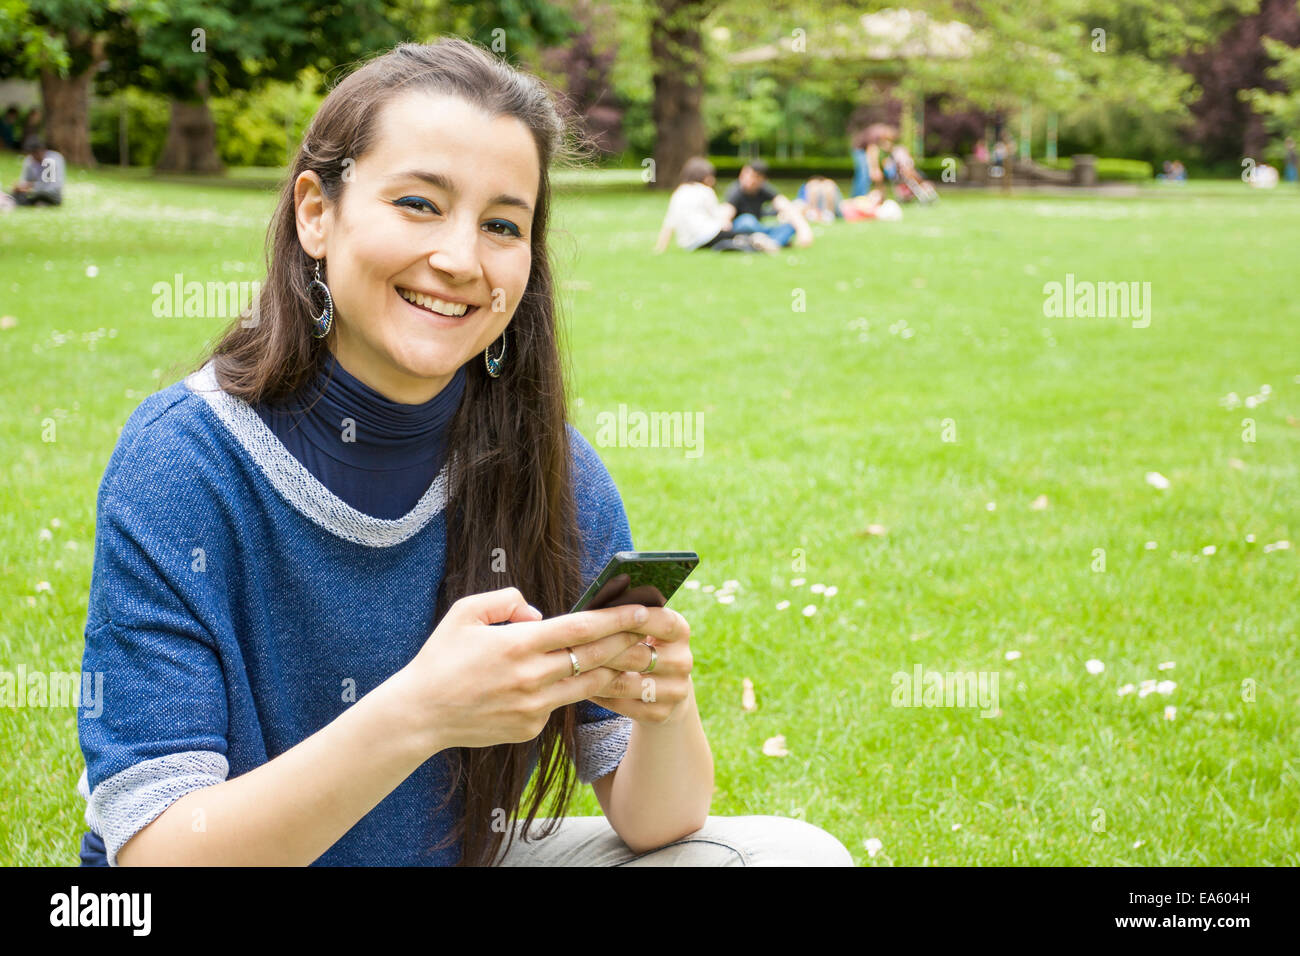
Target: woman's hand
[474, 684]
[654, 698]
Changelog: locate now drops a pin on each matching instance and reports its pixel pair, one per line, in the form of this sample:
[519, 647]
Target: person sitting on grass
[748, 198]
[819, 200]
[873, 205]
[699, 220]
[41, 179]
[352, 680]
[10, 128]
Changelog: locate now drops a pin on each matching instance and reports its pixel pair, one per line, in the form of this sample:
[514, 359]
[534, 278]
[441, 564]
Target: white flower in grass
[1094, 666]
[747, 700]
[725, 598]
[817, 588]
[708, 589]
[796, 582]
[782, 605]
[731, 585]
[1171, 712]
[1266, 389]
[775, 746]
[92, 271]
[55, 523]
[831, 591]
[991, 506]
[1138, 843]
[1231, 400]
[71, 546]
[1039, 503]
[1165, 666]
[1208, 549]
[1251, 401]
[1125, 690]
[1151, 545]
[1157, 480]
[42, 586]
[46, 534]
[1012, 655]
[1250, 539]
[1166, 687]
[31, 601]
[692, 585]
[872, 846]
[1148, 687]
[1276, 546]
[810, 610]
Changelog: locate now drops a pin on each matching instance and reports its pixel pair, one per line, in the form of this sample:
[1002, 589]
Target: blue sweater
[236, 601]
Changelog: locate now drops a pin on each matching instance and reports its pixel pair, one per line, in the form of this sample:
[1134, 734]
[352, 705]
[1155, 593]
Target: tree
[62, 43]
[1280, 108]
[190, 49]
[1226, 125]
[677, 52]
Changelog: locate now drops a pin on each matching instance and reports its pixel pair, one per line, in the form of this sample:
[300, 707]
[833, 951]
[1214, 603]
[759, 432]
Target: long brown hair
[508, 447]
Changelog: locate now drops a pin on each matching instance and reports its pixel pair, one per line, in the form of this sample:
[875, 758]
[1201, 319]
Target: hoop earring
[494, 365]
[322, 323]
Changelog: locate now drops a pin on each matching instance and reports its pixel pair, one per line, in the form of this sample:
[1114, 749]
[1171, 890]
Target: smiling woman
[302, 549]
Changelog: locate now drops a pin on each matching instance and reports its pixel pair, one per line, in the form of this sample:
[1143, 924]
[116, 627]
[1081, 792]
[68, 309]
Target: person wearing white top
[700, 220]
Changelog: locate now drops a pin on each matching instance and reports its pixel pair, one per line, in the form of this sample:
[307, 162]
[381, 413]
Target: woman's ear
[311, 213]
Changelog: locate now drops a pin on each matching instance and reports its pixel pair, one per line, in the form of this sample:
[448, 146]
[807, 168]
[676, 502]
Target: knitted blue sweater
[237, 606]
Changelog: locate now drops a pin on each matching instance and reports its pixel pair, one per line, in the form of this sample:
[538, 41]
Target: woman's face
[440, 211]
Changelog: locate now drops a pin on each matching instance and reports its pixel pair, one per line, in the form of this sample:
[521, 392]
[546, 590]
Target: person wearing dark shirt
[10, 128]
[749, 196]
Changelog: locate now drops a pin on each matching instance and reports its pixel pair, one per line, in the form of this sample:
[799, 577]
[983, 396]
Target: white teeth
[432, 304]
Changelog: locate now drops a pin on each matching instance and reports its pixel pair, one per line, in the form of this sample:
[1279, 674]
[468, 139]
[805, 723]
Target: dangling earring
[321, 324]
[494, 365]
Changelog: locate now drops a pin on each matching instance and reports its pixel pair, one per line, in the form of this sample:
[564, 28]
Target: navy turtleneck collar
[378, 455]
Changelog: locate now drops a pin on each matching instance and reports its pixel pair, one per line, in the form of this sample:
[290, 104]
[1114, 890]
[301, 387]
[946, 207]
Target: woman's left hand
[657, 697]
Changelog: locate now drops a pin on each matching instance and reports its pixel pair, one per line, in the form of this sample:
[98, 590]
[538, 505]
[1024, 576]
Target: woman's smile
[455, 311]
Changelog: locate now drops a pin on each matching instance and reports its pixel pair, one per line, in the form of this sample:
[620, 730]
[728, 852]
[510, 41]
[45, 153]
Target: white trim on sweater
[131, 799]
[299, 486]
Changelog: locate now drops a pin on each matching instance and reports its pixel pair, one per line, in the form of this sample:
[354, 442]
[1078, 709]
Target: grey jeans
[722, 841]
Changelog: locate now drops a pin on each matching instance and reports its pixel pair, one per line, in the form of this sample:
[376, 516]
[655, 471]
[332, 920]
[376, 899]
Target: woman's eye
[510, 229]
[415, 202]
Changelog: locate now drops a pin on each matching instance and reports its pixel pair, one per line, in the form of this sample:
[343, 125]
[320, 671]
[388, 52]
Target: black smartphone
[638, 577]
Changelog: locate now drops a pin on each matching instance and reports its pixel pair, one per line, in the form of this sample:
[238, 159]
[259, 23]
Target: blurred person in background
[699, 220]
[748, 198]
[41, 179]
[10, 128]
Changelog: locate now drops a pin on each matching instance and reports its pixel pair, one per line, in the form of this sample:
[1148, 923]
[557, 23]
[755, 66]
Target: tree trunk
[66, 102]
[191, 145]
[677, 51]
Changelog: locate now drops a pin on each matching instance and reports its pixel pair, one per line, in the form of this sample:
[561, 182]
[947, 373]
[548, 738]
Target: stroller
[909, 180]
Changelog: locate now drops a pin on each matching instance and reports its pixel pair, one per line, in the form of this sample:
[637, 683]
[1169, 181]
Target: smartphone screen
[638, 577]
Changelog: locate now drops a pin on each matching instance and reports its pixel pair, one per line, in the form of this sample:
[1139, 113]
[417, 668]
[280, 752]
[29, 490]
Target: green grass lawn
[818, 423]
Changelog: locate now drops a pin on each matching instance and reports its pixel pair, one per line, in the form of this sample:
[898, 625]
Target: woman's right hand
[474, 684]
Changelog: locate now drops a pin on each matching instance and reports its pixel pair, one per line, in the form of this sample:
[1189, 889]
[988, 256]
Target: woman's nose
[455, 250]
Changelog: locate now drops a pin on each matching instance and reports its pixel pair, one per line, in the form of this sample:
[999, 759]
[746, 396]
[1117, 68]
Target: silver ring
[574, 659]
[654, 659]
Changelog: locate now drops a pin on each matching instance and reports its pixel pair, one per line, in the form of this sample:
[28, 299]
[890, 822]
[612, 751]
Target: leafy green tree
[1280, 109]
[62, 44]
